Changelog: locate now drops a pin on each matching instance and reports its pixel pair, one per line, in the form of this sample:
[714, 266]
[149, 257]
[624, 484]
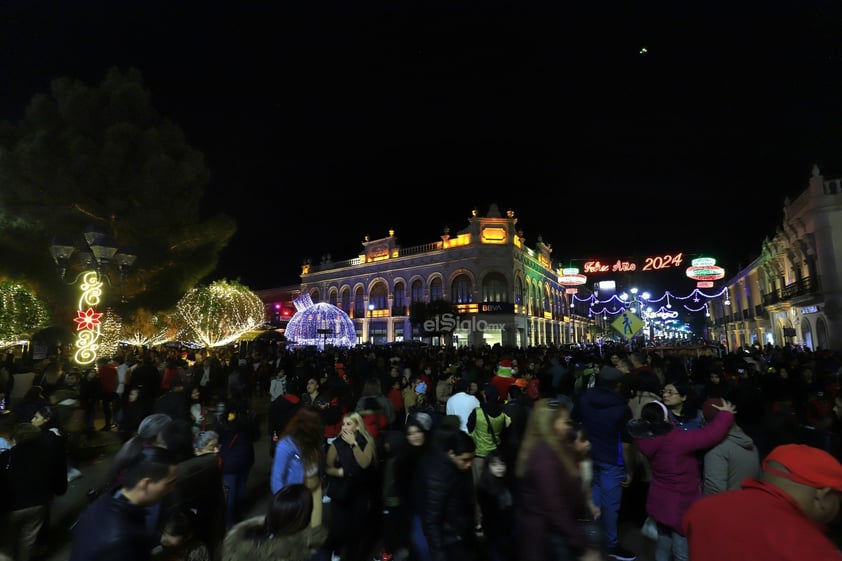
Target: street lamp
[370, 316]
[95, 255]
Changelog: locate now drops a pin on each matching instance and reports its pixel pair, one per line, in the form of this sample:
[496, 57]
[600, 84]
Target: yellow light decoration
[493, 235]
[87, 319]
[221, 313]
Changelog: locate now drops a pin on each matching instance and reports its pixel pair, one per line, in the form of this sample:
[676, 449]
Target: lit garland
[221, 313]
[88, 319]
[696, 295]
[303, 328]
[21, 312]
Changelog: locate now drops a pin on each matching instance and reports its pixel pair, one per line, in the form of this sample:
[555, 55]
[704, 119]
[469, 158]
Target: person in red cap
[779, 516]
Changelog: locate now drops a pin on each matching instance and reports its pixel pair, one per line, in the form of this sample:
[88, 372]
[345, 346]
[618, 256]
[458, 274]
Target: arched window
[346, 300]
[315, 296]
[379, 296]
[400, 295]
[417, 292]
[332, 299]
[436, 290]
[359, 303]
[461, 291]
[495, 288]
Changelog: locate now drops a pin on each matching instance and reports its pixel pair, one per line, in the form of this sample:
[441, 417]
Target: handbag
[650, 529]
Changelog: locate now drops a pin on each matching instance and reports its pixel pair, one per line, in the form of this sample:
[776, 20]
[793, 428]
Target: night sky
[615, 130]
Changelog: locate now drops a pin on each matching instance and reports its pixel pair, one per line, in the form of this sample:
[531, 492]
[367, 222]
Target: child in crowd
[179, 541]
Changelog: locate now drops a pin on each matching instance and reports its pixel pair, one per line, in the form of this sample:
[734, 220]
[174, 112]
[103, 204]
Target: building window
[400, 295]
[461, 291]
[495, 288]
[436, 290]
[333, 298]
[359, 304]
[417, 292]
[346, 300]
[315, 296]
[518, 291]
[379, 296]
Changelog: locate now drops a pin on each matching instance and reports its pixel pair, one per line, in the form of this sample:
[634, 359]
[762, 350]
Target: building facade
[501, 291]
[792, 293]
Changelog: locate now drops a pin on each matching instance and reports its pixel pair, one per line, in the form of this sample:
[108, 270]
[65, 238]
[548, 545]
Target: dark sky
[615, 130]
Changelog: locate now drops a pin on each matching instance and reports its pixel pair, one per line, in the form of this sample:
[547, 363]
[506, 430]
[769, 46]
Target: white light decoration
[112, 326]
[221, 313]
[320, 325]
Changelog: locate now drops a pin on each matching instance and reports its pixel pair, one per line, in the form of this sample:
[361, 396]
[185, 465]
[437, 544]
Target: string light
[303, 328]
[615, 299]
[21, 312]
[220, 313]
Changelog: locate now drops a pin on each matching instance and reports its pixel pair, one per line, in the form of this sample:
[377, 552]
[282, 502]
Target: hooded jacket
[730, 462]
[301, 546]
[605, 413]
[676, 482]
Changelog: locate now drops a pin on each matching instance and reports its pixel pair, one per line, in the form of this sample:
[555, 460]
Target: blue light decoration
[319, 325]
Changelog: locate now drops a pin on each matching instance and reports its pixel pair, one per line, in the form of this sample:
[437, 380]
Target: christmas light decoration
[21, 313]
[220, 313]
[88, 319]
[112, 326]
[320, 325]
[705, 269]
[571, 277]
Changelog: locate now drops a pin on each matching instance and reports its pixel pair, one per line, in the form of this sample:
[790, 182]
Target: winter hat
[708, 409]
[152, 425]
[610, 374]
[504, 369]
[421, 387]
[423, 420]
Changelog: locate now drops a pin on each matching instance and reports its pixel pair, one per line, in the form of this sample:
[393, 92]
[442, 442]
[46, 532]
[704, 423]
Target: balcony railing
[800, 287]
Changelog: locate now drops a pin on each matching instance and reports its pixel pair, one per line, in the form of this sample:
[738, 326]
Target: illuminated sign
[661, 314]
[493, 235]
[809, 309]
[496, 308]
[655, 263]
[705, 269]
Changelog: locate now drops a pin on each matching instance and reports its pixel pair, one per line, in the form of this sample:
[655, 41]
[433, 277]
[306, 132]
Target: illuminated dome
[320, 325]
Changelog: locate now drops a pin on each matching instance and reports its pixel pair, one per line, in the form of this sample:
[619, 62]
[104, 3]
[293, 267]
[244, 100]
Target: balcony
[801, 287]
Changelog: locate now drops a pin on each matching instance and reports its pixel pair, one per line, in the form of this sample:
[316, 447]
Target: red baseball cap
[806, 465]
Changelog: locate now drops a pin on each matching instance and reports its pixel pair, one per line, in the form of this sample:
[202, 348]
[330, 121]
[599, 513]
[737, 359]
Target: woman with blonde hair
[351, 487]
[551, 498]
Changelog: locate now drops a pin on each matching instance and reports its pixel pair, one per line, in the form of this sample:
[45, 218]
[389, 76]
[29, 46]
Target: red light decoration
[87, 320]
[705, 269]
[571, 277]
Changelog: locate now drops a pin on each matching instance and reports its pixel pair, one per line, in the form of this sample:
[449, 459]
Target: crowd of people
[431, 454]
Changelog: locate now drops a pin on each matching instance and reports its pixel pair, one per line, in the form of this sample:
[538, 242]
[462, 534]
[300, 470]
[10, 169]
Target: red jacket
[108, 376]
[757, 522]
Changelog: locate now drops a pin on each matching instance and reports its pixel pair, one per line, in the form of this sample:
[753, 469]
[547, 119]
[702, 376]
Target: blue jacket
[287, 466]
[604, 414]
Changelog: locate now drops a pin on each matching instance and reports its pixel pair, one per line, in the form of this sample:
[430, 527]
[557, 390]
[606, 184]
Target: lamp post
[95, 255]
[370, 317]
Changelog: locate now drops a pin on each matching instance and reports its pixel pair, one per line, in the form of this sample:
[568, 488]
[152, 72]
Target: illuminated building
[501, 290]
[792, 293]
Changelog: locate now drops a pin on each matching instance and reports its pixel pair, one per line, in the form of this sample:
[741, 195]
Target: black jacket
[32, 472]
[112, 528]
[447, 511]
